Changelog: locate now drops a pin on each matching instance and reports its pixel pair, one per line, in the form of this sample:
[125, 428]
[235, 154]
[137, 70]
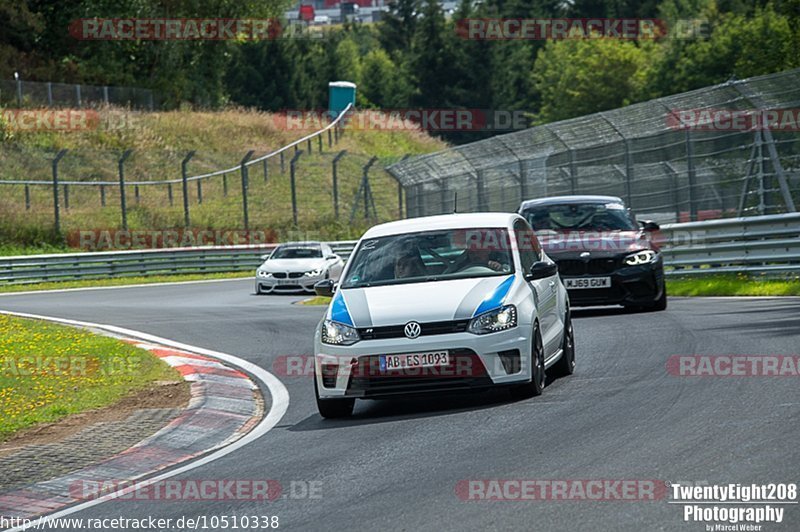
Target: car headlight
[335, 333]
[641, 257]
[263, 274]
[494, 321]
[314, 273]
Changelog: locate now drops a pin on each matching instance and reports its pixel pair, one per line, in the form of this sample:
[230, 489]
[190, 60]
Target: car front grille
[427, 329]
[295, 275]
[574, 267]
[464, 371]
[279, 275]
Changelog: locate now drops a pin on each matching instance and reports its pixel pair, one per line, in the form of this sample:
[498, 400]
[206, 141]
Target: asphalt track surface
[395, 465]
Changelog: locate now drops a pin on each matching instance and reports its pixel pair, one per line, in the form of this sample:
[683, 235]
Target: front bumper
[304, 284]
[476, 362]
[630, 285]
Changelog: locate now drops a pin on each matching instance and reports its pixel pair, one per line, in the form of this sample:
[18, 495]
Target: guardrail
[759, 244]
[75, 266]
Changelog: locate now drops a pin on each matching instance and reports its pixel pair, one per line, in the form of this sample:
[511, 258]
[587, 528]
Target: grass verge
[317, 300]
[732, 285]
[48, 372]
[91, 283]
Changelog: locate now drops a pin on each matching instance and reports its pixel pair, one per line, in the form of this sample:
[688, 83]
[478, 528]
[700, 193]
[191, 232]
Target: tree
[399, 25]
[431, 59]
[739, 45]
[578, 77]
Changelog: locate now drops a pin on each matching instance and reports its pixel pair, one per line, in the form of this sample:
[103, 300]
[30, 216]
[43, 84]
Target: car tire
[538, 374]
[566, 364]
[258, 289]
[333, 408]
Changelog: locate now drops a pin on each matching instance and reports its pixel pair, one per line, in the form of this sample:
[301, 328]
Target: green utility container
[340, 95]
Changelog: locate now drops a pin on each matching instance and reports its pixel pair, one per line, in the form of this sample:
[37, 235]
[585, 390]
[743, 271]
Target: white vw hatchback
[442, 304]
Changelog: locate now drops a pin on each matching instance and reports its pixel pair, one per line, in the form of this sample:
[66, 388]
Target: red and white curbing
[224, 407]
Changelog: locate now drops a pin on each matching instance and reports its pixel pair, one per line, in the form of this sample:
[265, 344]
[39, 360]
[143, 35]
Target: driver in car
[477, 256]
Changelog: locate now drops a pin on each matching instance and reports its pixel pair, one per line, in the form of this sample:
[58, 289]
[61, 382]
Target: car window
[527, 244]
[430, 256]
[590, 216]
[305, 252]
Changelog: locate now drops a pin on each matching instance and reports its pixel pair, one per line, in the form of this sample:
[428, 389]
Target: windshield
[307, 252]
[430, 256]
[580, 217]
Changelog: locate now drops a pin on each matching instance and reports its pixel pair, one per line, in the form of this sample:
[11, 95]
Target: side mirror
[264, 257]
[541, 270]
[650, 226]
[325, 288]
[332, 257]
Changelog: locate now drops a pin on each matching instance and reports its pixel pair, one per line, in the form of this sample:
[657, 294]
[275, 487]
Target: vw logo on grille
[412, 329]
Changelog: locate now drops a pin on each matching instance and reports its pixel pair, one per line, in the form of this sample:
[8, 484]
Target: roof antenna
[455, 202]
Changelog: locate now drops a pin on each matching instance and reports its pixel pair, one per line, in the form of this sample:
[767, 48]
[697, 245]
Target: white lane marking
[141, 285]
[280, 403]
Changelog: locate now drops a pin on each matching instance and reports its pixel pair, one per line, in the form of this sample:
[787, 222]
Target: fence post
[78, 96]
[225, 185]
[283, 163]
[628, 175]
[102, 195]
[308, 143]
[56, 214]
[319, 142]
[27, 197]
[19, 93]
[266, 170]
[186, 187]
[691, 175]
[245, 185]
[49, 94]
[368, 190]
[66, 197]
[169, 193]
[330, 140]
[334, 174]
[105, 94]
[674, 186]
[400, 191]
[136, 193]
[292, 164]
[523, 180]
[778, 169]
[573, 173]
[122, 204]
[481, 192]
[199, 191]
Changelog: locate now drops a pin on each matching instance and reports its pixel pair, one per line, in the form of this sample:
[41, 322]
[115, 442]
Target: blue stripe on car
[494, 300]
[339, 310]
